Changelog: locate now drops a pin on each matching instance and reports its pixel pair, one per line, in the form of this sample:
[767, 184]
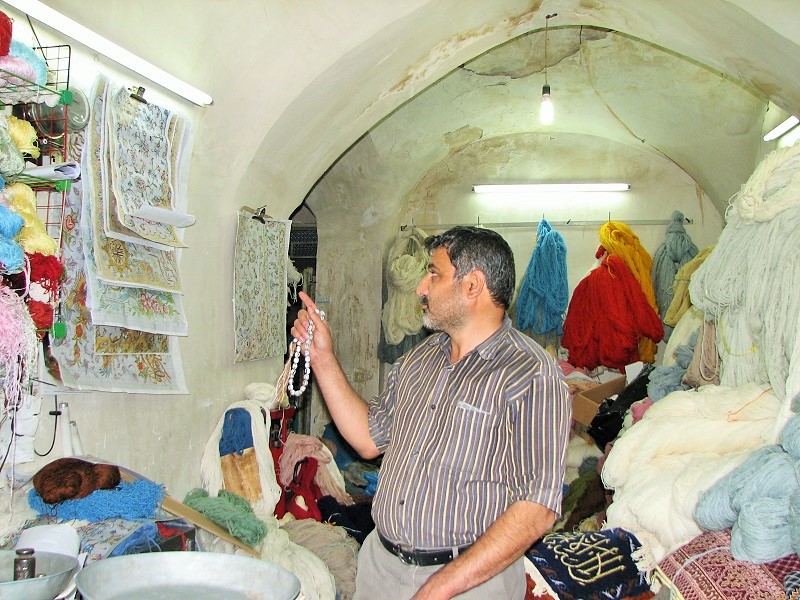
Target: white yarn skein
[772, 188]
[406, 265]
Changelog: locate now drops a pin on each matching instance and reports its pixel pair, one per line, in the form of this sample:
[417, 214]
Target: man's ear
[474, 284]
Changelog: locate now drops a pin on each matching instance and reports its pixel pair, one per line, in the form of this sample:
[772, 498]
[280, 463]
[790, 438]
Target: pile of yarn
[759, 501]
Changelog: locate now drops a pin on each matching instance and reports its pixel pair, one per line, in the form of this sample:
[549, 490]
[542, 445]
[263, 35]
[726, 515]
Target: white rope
[406, 264]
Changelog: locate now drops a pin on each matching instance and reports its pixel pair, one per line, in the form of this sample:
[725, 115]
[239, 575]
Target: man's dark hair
[473, 248]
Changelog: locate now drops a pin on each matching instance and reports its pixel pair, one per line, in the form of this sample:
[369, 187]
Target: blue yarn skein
[10, 223]
[665, 380]
[676, 250]
[790, 436]
[12, 257]
[544, 293]
[715, 510]
[760, 533]
[794, 519]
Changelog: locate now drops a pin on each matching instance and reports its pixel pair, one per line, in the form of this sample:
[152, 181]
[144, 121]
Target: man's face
[443, 306]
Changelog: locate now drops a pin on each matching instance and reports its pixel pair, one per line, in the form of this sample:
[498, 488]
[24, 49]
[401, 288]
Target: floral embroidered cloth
[132, 308]
[80, 366]
[118, 262]
[139, 138]
[592, 565]
[704, 569]
[259, 287]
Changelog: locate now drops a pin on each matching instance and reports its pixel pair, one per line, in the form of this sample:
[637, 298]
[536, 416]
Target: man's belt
[422, 558]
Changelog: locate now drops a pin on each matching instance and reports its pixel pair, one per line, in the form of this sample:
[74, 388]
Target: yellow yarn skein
[23, 135]
[617, 238]
[33, 236]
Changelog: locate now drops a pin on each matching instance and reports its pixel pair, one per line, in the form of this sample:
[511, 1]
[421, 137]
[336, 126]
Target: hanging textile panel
[80, 366]
[118, 262]
[132, 308]
[259, 287]
[139, 142]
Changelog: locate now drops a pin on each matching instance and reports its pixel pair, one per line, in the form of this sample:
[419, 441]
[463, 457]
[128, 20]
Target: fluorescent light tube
[89, 38]
[516, 188]
[782, 128]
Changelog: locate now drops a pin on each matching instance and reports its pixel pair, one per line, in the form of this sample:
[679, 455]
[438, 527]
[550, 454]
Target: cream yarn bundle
[406, 264]
[685, 442]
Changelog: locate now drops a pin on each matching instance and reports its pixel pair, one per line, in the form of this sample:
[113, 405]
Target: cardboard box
[586, 404]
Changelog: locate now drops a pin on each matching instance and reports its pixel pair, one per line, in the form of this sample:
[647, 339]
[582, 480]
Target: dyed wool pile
[748, 284]
[683, 444]
[759, 501]
[677, 250]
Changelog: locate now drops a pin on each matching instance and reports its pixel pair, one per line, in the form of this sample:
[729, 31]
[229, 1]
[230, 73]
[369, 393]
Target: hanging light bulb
[546, 109]
[546, 112]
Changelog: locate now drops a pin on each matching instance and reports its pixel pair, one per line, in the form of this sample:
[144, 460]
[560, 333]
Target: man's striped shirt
[464, 441]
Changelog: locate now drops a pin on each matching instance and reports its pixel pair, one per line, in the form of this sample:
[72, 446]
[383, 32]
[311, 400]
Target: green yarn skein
[231, 511]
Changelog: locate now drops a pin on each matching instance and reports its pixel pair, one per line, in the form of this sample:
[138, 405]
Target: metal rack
[46, 108]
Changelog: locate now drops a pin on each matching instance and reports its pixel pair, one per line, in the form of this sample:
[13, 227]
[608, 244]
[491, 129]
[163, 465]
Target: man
[473, 423]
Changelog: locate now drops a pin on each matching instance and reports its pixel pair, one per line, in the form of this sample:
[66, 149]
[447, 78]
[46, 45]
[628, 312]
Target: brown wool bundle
[73, 478]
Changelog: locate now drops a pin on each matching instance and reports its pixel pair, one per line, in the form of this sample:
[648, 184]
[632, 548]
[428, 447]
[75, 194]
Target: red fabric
[607, 316]
[302, 485]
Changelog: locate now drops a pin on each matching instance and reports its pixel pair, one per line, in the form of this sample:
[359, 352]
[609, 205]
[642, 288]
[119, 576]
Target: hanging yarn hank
[681, 300]
[18, 346]
[544, 292]
[406, 265]
[617, 238]
[676, 250]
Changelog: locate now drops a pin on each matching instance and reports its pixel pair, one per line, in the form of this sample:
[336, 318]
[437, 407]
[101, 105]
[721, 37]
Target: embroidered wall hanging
[139, 151]
[117, 262]
[79, 365]
[132, 308]
[259, 287]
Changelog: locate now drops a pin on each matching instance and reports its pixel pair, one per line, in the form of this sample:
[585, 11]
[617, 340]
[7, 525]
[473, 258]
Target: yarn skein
[406, 265]
[544, 292]
[676, 250]
[617, 238]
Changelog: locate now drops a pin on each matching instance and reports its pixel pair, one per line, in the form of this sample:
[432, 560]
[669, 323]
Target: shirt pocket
[468, 440]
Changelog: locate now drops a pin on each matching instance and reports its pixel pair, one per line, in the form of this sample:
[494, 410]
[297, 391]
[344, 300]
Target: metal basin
[55, 571]
[181, 575]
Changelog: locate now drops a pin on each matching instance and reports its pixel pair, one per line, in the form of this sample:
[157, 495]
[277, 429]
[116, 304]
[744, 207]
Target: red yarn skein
[6, 25]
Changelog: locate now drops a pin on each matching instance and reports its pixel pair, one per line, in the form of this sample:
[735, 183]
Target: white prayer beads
[306, 346]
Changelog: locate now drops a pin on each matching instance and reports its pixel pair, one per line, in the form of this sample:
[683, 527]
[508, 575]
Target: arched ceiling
[295, 84]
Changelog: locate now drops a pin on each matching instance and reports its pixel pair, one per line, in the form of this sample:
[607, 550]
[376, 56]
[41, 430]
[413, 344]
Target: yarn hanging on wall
[406, 264]
[33, 236]
[681, 300]
[676, 250]
[617, 238]
[607, 316]
[6, 28]
[544, 292]
[18, 345]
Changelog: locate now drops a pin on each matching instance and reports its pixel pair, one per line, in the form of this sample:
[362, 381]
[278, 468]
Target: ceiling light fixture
[516, 188]
[778, 131]
[546, 110]
[90, 39]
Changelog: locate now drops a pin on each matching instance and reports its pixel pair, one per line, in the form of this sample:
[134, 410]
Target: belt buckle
[406, 554]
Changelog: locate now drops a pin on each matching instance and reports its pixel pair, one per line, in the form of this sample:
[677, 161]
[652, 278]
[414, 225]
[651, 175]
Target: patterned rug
[713, 573]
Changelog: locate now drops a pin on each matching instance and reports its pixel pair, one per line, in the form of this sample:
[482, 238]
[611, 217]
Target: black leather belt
[421, 558]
